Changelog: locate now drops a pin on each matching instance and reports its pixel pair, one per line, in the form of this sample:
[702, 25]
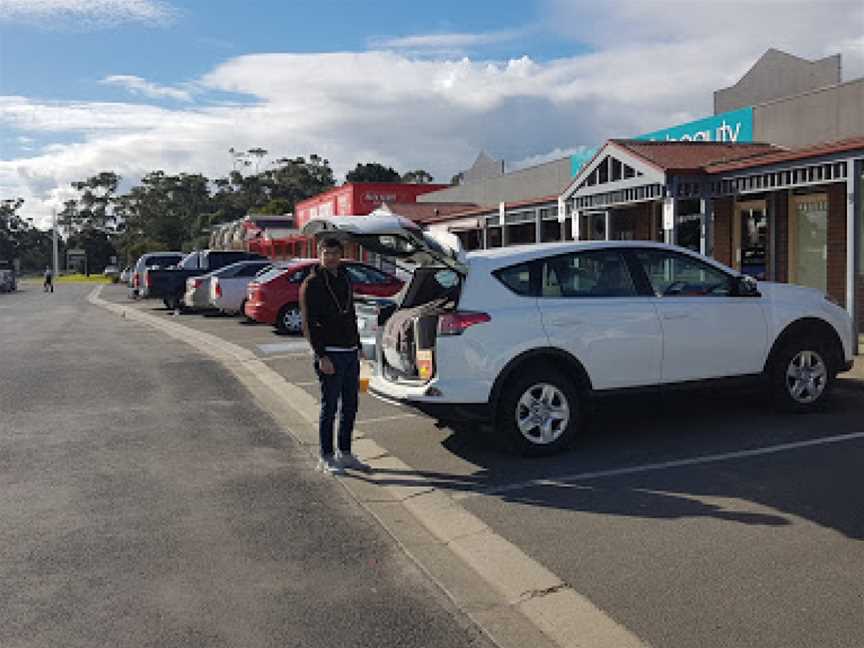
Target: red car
[273, 298]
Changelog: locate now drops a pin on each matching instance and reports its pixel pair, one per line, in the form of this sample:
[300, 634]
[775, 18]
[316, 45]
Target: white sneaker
[348, 460]
[330, 466]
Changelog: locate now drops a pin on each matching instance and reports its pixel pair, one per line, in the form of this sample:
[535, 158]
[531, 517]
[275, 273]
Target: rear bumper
[478, 412]
[260, 313]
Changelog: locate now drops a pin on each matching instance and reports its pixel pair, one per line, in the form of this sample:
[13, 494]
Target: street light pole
[54, 245]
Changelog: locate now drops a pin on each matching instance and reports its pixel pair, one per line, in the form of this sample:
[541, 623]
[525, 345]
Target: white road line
[693, 461]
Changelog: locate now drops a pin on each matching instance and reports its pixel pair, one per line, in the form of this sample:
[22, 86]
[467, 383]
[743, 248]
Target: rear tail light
[217, 288]
[196, 283]
[135, 280]
[456, 323]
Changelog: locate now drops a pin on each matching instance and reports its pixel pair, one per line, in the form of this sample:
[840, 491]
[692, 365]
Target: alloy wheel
[806, 377]
[542, 414]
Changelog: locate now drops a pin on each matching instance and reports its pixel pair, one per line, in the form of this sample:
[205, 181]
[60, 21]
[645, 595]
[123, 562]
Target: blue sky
[136, 85]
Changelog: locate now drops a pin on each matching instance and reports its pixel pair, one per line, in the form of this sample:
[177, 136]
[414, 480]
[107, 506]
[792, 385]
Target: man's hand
[326, 366]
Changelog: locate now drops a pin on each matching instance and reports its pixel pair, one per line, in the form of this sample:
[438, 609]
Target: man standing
[330, 325]
[48, 284]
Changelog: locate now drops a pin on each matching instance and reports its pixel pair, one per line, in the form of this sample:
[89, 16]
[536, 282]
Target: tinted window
[297, 276]
[365, 274]
[676, 275]
[598, 273]
[517, 278]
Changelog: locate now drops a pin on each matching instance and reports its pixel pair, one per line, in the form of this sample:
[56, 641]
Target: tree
[11, 226]
[420, 176]
[458, 178]
[94, 208]
[373, 172]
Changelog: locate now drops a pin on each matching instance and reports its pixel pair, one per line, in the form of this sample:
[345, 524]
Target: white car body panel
[607, 334]
[711, 337]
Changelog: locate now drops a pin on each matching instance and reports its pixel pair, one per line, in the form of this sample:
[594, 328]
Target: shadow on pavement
[821, 483]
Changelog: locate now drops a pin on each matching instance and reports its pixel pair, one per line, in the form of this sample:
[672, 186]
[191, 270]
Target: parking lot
[691, 519]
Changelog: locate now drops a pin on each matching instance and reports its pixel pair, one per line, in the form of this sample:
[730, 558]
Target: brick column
[723, 230]
[837, 242]
[781, 236]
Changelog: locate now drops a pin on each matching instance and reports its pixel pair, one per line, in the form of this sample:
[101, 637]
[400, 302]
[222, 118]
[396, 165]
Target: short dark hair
[330, 242]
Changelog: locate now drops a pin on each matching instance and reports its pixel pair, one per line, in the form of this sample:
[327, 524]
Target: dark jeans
[341, 384]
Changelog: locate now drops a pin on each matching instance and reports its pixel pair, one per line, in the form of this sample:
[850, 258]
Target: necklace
[339, 307]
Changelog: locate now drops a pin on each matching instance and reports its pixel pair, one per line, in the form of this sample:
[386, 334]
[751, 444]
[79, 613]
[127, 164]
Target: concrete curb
[514, 599]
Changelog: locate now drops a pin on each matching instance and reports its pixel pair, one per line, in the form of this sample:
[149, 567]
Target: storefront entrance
[750, 232]
[808, 241]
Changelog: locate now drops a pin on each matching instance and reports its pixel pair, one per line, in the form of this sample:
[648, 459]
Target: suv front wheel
[540, 413]
[801, 376]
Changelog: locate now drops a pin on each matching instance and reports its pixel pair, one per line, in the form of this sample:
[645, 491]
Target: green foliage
[419, 176]
[373, 172]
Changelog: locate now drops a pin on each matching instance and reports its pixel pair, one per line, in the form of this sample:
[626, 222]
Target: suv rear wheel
[801, 375]
[540, 412]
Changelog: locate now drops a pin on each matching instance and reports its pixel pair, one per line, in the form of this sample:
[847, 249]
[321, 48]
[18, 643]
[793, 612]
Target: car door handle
[565, 321]
[675, 316]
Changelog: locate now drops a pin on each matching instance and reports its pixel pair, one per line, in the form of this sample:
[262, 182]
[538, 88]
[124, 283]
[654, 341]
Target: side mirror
[746, 286]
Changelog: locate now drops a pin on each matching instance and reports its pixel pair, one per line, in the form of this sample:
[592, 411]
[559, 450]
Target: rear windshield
[162, 260]
[270, 274]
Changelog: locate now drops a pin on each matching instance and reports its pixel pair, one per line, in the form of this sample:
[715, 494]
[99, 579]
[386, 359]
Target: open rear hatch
[409, 334]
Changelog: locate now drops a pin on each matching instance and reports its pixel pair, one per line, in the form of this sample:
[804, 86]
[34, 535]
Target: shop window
[808, 242]
[493, 237]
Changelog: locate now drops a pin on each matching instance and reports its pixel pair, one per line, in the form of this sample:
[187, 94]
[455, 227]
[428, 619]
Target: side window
[299, 275]
[598, 273]
[517, 278]
[676, 275]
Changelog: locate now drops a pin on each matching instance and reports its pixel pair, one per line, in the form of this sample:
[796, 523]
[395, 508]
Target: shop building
[777, 214]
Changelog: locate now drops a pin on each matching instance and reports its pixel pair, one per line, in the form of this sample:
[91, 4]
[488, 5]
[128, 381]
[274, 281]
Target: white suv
[524, 336]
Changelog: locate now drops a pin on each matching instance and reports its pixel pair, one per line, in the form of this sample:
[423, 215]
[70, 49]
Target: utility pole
[54, 245]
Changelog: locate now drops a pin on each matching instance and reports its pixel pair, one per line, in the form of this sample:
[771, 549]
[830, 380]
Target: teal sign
[734, 126]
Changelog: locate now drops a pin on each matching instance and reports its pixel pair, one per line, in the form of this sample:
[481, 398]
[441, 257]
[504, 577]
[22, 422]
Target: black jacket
[329, 319]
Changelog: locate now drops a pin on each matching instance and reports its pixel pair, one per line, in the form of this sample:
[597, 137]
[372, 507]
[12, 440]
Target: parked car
[169, 284]
[8, 280]
[526, 336]
[112, 271]
[226, 291]
[274, 297]
[150, 260]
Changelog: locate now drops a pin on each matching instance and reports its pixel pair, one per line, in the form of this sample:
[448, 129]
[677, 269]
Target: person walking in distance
[330, 326]
[48, 283]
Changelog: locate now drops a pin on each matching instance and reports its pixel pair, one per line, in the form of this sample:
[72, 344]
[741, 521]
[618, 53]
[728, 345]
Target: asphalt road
[758, 543]
[146, 501]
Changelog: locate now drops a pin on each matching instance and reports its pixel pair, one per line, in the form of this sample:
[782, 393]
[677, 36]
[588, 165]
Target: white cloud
[436, 114]
[444, 41]
[86, 13]
[137, 85]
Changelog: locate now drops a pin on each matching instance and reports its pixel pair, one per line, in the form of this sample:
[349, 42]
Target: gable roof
[775, 157]
[692, 157]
